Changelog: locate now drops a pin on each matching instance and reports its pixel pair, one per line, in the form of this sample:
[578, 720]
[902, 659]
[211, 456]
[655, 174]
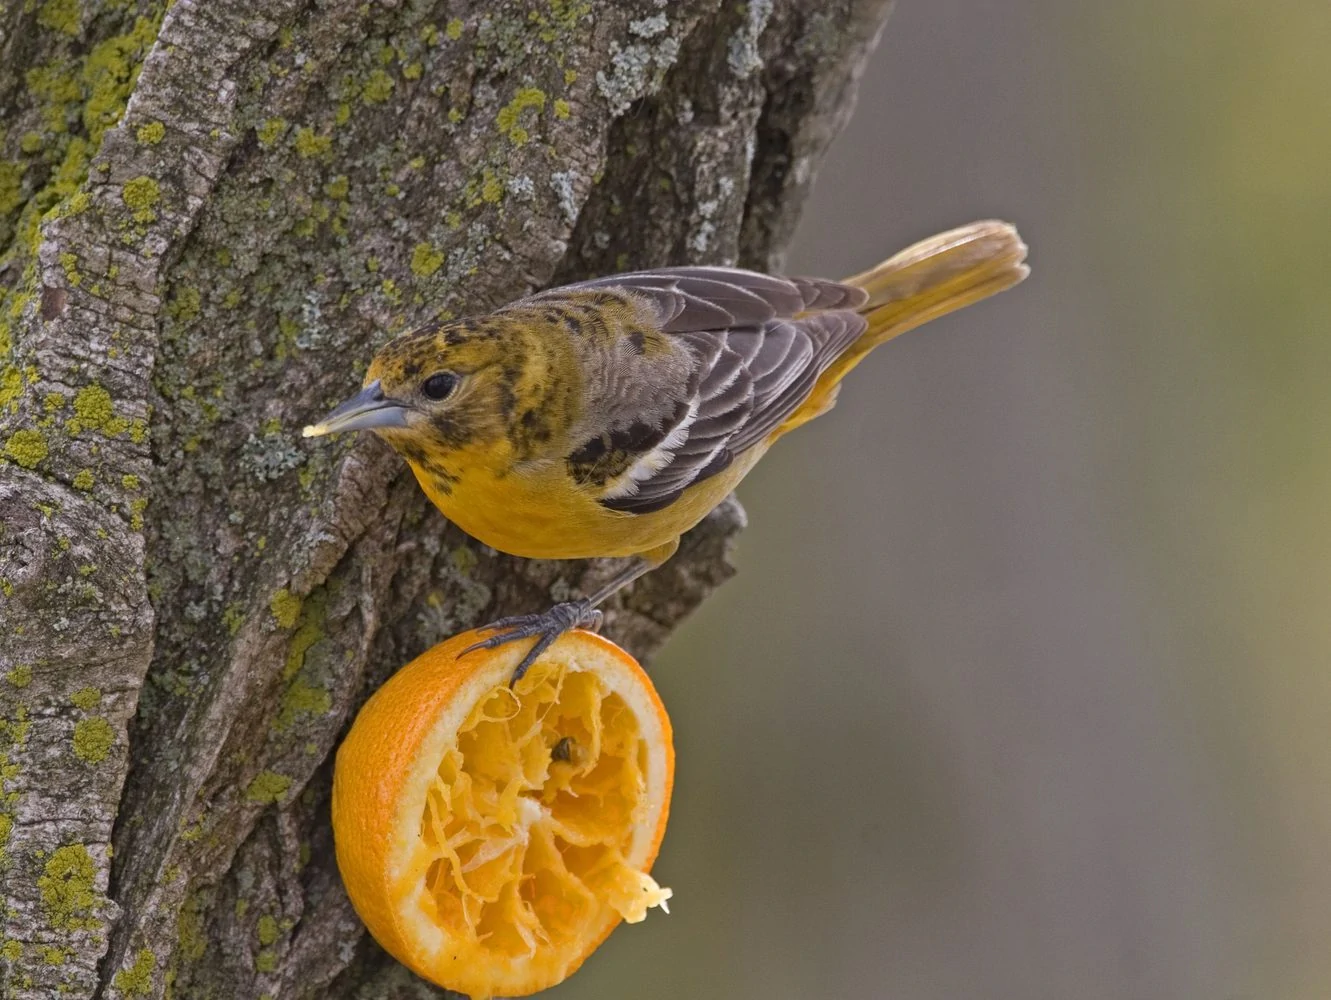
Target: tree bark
[210, 213]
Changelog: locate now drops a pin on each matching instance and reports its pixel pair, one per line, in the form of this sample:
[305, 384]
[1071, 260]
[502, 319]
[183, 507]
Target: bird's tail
[921, 283]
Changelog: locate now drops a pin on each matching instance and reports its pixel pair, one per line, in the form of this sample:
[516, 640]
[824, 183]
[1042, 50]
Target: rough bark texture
[210, 213]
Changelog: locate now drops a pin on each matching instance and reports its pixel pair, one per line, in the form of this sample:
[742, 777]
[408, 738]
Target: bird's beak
[367, 410]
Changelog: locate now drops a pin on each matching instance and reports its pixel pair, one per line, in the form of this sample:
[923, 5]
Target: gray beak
[369, 409]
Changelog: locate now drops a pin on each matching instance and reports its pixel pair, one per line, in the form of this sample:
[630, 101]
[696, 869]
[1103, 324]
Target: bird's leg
[550, 625]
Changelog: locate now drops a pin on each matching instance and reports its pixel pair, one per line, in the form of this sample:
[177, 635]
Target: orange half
[491, 838]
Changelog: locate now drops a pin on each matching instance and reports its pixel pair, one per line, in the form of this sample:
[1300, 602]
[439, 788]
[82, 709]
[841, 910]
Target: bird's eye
[439, 385]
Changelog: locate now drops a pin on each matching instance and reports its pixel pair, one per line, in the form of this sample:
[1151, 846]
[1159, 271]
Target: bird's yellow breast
[538, 512]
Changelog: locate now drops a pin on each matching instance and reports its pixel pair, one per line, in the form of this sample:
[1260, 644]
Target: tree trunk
[211, 211]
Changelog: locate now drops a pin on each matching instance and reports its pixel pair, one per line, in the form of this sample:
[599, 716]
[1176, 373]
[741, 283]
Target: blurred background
[1023, 690]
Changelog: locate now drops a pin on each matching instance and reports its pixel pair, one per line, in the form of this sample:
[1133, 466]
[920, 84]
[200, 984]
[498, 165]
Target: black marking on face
[443, 481]
[401, 357]
[508, 401]
[530, 432]
[636, 338]
[412, 450]
[506, 387]
[449, 431]
[536, 424]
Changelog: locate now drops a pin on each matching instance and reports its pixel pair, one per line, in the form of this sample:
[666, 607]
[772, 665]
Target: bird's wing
[696, 299]
[756, 346]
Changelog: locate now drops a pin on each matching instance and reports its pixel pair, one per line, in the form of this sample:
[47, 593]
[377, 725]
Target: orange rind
[492, 837]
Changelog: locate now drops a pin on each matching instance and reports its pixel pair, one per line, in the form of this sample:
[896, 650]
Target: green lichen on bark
[267, 929]
[285, 607]
[267, 787]
[93, 739]
[511, 114]
[150, 134]
[141, 195]
[27, 447]
[137, 980]
[426, 260]
[86, 698]
[310, 144]
[66, 888]
[94, 410]
[302, 699]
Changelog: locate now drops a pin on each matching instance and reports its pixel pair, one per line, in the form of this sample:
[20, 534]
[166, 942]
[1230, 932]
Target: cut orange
[491, 838]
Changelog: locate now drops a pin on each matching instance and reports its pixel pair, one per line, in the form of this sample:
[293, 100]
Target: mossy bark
[210, 214]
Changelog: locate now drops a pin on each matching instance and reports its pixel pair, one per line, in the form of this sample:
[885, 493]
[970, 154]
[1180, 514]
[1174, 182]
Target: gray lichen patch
[742, 53]
[636, 70]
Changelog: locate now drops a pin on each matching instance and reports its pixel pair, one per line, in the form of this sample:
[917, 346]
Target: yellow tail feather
[923, 282]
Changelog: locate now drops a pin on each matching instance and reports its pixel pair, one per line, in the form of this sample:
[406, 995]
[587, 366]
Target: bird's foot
[546, 627]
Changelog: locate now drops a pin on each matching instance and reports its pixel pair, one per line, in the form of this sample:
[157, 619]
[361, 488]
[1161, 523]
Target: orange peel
[491, 838]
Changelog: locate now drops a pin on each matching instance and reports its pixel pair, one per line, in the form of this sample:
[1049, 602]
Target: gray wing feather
[779, 394]
[695, 299]
[755, 379]
[820, 294]
[758, 343]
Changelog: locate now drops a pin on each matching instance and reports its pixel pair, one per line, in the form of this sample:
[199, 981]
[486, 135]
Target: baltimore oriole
[607, 417]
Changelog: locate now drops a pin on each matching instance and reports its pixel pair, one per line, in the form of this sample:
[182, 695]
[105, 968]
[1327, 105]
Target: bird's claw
[546, 627]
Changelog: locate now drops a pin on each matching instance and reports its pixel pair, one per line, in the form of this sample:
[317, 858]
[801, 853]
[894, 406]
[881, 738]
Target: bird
[607, 417]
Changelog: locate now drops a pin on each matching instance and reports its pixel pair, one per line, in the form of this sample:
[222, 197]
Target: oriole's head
[472, 384]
